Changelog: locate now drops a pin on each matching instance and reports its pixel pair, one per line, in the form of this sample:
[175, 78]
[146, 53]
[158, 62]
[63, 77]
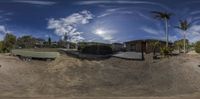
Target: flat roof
[146, 40]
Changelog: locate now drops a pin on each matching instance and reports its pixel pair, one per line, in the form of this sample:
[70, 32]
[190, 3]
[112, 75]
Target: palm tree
[184, 25]
[163, 16]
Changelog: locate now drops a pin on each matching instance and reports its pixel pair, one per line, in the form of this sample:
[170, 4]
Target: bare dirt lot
[174, 78]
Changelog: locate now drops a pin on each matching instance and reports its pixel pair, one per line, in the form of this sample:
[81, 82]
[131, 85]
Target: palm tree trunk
[142, 50]
[76, 46]
[166, 32]
[66, 40]
[184, 42]
[68, 46]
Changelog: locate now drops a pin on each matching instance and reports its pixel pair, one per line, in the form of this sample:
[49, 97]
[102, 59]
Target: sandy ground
[170, 78]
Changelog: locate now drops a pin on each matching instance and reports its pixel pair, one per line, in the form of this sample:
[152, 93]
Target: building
[146, 45]
[116, 47]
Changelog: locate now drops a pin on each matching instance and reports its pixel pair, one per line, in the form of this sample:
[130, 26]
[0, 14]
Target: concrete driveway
[129, 55]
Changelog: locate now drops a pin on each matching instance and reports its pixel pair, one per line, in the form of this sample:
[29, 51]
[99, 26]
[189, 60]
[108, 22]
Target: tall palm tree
[184, 25]
[165, 16]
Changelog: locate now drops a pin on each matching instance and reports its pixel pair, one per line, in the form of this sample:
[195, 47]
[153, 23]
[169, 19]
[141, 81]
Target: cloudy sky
[103, 21]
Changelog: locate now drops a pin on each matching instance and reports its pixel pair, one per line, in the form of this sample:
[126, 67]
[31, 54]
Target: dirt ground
[176, 77]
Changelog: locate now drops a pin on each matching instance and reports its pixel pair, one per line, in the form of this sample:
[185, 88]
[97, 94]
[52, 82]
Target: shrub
[81, 46]
[197, 47]
[8, 42]
[165, 50]
[97, 49]
[1, 46]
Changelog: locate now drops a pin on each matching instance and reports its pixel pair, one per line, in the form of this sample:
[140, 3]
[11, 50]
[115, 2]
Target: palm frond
[184, 25]
[161, 15]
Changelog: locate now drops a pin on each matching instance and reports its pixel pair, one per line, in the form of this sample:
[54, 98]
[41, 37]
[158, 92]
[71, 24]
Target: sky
[104, 21]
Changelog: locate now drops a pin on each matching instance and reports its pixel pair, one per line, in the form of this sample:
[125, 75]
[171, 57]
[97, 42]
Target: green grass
[35, 53]
[41, 49]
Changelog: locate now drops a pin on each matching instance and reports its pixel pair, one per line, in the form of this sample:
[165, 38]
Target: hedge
[97, 49]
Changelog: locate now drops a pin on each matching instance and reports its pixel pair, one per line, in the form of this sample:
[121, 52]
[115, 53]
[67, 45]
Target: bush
[81, 46]
[97, 49]
[166, 50]
[1, 46]
[197, 47]
[8, 42]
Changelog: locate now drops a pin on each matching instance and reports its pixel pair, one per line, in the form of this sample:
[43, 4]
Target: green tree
[184, 25]
[179, 44]
[9, 42]
[26, 42]
[155, 45]
[165, 16]
[1, 46]
[197, 47]
[49, 41]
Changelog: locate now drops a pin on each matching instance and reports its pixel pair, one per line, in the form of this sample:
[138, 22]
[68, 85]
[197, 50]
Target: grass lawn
[37, 53]
[41, 49]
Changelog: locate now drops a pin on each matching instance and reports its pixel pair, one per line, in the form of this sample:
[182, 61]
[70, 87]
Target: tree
[61, 44]
[26, 41]
[197, 47]
[163, 16]
[9, 42]
[1, 46]
[179, 44]
[67, 40]
[49, 41]
[155, 44]
[184, 25]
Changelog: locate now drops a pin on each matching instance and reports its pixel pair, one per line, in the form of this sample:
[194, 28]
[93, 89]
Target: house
[39, 43]
[117, 47]
[81, 45]
[145, 45]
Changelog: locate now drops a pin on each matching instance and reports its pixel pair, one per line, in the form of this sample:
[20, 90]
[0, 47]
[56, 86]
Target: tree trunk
[142, 50]
[184, 43]
[98, 53]
[68, 45]
[166, 32]
[76, 46]
[154, 53]
[66, 40]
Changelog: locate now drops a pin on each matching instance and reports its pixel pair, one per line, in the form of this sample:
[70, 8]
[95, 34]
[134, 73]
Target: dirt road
[170, 78]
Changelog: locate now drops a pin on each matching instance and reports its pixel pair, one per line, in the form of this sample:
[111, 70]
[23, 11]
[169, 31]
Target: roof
[117, 44]
[145, 40]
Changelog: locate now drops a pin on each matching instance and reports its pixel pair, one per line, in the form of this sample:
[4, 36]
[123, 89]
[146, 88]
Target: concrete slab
[128, 55]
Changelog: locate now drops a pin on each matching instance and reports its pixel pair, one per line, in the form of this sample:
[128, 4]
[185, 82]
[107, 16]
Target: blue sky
[102, 20]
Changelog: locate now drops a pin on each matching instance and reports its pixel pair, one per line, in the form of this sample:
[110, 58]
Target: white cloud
[68, 25]
[193, 34]
[173, 38]
[105, 34]
[147, 17]
[122, 2]
[113, 2]
[125, 10]
[115, 11]
[3, 31]
[35, 2]
[4, 16]
[104, 15]
[195, 12]
[8, 14]
[150, 30]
